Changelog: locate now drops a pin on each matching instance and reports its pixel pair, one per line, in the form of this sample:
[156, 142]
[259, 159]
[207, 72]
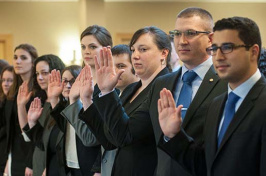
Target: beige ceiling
[227, 1]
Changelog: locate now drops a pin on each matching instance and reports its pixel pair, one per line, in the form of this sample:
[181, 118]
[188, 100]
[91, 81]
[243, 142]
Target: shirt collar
[201, 69]
[243, 89]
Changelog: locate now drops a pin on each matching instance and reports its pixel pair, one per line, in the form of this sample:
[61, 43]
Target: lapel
[142, 95]
[207, 85]
[242, 111]
[212, 125]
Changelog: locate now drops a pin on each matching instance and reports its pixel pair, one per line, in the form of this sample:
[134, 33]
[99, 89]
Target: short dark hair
[196, 11]
[54, 62]
[160, 38]
[100, 33]
[123, 49]
[262, 62]
[248, 30]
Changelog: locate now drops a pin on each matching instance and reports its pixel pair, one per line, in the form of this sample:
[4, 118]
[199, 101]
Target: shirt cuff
[166, 139]
[103, 94]
[26, 138]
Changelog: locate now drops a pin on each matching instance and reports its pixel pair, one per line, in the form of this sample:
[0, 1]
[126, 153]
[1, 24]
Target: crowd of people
[134, 110]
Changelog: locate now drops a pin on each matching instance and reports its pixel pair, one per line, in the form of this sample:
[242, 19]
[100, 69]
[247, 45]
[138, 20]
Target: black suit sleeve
[94, 122]
[56, 114]
[124, 129]
[186, 152]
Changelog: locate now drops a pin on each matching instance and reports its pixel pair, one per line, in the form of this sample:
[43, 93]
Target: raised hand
[23, 94]
[87, 87]
[55, 87]
[34, 112]
[75, 90]
[169, 115]
[106, 76]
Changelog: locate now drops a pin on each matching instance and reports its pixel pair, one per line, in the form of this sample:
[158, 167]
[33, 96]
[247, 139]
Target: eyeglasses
[6, 80]
[187, 33]
[71, 82]
[225, 48]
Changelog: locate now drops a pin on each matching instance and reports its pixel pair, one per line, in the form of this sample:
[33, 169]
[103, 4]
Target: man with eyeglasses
[235, 127]
[192, 35]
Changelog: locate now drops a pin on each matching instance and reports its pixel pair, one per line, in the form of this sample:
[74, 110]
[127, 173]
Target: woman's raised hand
[34, 112]
[23, 94]
[106, 76]
[87, 87]
[55, 87]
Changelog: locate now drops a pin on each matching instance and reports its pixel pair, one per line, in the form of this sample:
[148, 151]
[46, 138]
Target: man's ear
[255, 51]
[210, 35]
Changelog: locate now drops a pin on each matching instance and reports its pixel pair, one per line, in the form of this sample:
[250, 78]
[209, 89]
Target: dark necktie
[185, 95]
[228, 114]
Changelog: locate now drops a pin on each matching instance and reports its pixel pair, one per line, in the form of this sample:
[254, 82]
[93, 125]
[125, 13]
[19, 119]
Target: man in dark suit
[235, 128]
[192, 35]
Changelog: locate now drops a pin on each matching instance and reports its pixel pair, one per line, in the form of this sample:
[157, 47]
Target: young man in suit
[192, 35]
[235, 128]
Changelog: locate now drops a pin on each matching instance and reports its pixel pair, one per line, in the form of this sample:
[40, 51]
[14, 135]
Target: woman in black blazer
[20, 151]
[151, 51]
[6, 78]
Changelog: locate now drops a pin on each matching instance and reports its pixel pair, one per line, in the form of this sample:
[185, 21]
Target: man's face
[192, 50]
[122, 61]
[237, 66]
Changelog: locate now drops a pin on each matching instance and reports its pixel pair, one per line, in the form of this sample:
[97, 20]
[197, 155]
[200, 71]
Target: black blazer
[193, 123]
[136, 155]
[243, 148]
[86, 155]
[21, 151]
[3, 140]
[144, 122]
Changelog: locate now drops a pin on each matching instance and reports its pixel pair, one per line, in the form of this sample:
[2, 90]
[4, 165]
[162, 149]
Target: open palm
[106, 76]
[55, 86]
[169, 116]
[23, 94]
[35, 111]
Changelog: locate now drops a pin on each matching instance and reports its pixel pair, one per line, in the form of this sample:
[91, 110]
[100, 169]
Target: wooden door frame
[8, 40]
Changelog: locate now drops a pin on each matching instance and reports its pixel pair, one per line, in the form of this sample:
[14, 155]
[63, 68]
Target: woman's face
[68, 80]
[146, 57]
[90, 47]
[42, 74]
[7, 81]
[22, 62]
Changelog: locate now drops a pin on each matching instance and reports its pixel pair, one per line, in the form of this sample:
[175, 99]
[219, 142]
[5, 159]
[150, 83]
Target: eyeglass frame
[233, 46]
[71, 81]
[173, 33]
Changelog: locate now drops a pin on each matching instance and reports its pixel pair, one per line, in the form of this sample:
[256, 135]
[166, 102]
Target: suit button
[104, 160]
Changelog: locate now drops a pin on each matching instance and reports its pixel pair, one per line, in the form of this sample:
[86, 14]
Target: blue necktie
[228, 114]
[185, 95]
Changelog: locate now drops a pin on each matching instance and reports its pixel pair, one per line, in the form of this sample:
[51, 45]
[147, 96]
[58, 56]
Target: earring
[163, 61]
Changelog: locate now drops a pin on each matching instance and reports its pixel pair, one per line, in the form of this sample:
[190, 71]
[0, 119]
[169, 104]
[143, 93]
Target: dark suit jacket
[86, 155]
[3, 140]
[136, 149]
[21, 151]
[243, 148]
[145, 118]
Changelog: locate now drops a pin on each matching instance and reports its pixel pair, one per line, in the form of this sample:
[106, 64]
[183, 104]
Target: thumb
[29, 95]
[179, 109]
[119, 73]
